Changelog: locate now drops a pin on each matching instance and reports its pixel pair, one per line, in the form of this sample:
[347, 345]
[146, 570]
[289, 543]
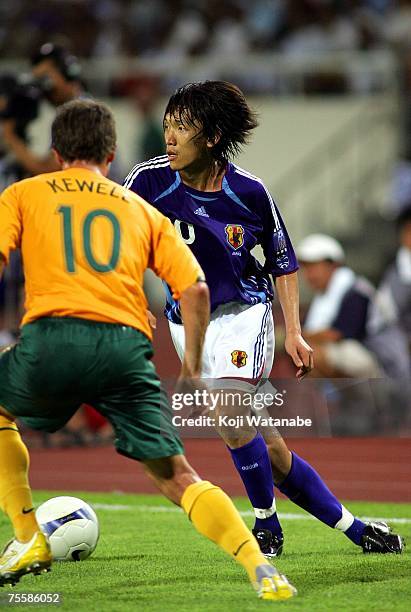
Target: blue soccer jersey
[221, 228]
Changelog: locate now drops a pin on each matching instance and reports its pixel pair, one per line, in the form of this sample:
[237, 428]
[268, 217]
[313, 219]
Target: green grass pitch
[150, 558]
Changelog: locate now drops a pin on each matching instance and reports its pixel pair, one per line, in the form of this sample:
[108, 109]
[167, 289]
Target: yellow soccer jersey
[86, 242]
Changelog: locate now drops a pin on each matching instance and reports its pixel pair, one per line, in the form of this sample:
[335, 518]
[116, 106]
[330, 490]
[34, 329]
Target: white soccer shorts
[239, 344]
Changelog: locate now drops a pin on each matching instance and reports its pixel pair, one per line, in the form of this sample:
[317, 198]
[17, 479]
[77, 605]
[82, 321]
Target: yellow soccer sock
[15, 493]
[214, 515]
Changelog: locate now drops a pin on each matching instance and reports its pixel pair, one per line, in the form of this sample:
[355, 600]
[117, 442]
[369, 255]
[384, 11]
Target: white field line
[288, 516]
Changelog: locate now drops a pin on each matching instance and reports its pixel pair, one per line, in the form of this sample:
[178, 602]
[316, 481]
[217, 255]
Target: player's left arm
[300, 352]
[281, 263]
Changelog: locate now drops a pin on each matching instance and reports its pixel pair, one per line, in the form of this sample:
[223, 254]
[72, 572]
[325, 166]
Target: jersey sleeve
[279, 254]
[138, 181]
[170, 257]
[10, 222]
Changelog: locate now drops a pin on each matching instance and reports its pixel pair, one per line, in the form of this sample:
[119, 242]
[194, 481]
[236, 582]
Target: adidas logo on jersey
[201, 211]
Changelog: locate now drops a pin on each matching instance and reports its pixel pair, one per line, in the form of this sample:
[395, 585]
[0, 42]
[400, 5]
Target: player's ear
[58, 157]
[110, 157]
[213, 141]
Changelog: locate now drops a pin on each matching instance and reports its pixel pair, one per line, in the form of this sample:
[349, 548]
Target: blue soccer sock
[304, 487]
[253, 464]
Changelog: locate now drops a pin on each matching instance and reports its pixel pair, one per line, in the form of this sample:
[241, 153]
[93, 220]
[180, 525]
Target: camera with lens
[20, 99]
[20, 96]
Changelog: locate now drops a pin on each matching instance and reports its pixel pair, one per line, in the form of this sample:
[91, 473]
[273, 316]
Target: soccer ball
[71, 526]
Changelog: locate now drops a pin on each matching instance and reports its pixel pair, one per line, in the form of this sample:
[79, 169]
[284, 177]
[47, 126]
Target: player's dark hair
[220, 109]
[84, 130]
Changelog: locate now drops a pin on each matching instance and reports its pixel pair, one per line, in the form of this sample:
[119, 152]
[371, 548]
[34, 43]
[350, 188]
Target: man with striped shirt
[222, 212]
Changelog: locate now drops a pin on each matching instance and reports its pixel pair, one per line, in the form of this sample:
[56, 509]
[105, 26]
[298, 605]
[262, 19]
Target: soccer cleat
[377, 538]
[271, 585]
[19, 558]
[270, 545]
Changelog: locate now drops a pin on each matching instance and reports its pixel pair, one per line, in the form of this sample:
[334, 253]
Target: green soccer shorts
[60, 363]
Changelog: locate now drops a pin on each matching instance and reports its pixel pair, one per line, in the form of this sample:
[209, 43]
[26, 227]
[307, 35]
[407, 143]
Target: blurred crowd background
[331, 80]
[103, 28]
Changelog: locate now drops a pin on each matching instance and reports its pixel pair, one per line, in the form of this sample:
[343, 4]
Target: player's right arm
[195, 312]
[173, 262]
[10, 225]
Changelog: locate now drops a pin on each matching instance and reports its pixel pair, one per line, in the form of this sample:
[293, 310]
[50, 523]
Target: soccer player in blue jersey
[222, 212]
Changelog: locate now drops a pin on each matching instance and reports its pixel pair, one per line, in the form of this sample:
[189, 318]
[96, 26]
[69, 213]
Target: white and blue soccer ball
[71, 526]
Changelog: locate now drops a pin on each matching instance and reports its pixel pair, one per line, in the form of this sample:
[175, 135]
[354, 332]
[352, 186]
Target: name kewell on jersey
[76, 185]
[238, 422]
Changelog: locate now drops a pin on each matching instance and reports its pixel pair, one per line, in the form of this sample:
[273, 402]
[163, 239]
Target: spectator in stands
[350, 334]
[396, 282]
[264, 21]
[318, 27]
[188, 35]
[144, 28]
[397, 24]
[229, 36]
[336, 319]
[401, 182]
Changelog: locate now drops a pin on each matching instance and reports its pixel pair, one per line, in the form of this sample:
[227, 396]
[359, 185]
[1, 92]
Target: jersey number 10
[98, 266]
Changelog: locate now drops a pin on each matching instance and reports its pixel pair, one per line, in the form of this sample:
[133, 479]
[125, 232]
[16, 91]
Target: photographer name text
[239, 421]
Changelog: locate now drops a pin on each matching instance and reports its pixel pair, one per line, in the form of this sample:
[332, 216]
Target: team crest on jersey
[239, 358]
[235, 235]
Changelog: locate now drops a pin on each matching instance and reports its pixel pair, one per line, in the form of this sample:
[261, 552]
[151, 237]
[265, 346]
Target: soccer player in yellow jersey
[86, 243]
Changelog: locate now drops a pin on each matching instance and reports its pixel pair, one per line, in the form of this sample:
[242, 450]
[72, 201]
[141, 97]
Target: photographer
[17, 103]
[55, 77]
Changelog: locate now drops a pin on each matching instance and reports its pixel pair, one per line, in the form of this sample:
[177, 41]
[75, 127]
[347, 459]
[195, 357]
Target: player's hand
[192, 385]
[301, 353]
[188, 378]
[152, 320]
